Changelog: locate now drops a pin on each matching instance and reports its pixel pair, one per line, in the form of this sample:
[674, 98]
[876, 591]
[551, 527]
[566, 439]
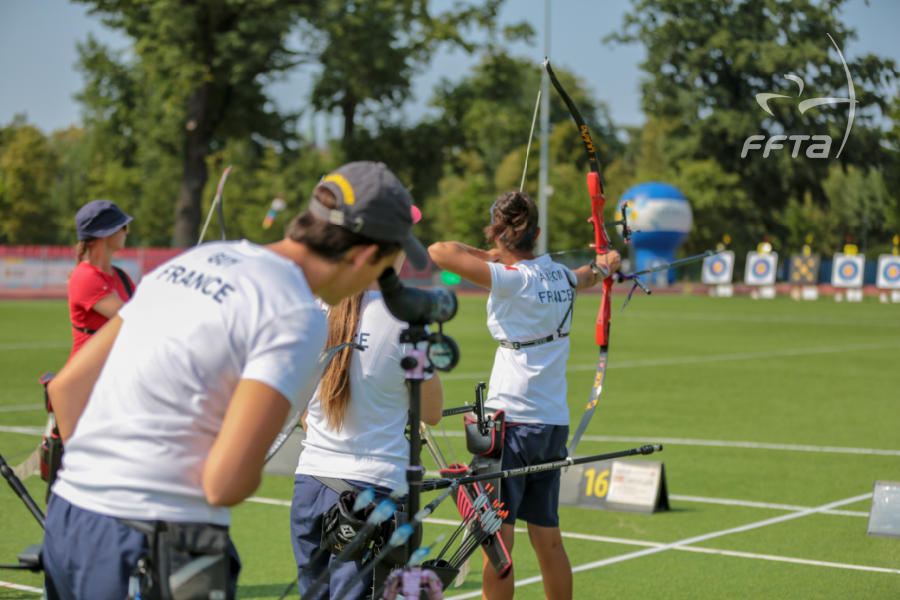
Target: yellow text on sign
[597, 485]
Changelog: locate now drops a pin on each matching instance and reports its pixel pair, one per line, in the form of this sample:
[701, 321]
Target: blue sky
[37, 54]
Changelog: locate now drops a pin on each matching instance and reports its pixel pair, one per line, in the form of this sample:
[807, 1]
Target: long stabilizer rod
[16, 484]
[436, 484]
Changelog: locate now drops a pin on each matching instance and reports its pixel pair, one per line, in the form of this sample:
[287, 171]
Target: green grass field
[684, 370]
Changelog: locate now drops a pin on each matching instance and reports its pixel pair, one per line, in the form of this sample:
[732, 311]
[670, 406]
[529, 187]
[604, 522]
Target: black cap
[372, 202]
[99, 219]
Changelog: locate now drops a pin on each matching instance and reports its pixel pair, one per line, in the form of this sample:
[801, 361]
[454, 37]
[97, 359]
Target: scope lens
[443, 353]
[443, 305]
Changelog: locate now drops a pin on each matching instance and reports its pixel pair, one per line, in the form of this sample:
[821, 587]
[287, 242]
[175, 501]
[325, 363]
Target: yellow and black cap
[372, 202]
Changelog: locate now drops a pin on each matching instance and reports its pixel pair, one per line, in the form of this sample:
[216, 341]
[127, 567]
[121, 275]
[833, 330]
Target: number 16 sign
[620, 485]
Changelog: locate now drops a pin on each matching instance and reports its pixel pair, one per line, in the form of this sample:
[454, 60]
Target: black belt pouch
[187, 561]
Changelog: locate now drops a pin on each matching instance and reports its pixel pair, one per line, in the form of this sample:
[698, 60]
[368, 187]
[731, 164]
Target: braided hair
[514, 219]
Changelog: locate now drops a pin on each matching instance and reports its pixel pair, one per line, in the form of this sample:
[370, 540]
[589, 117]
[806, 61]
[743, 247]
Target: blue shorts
[533, 498]
[311, 499]
[89, 556]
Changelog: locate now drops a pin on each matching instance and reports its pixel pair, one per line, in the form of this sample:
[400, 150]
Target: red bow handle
[601, 245]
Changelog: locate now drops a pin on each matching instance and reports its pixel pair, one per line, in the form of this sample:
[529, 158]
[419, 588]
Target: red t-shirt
[88, 285]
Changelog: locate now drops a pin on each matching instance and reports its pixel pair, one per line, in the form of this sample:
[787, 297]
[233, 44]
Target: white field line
[788, 507]
[874, 322]
[272, 501]
[22, 407]
[686, 360]
[24, 588]
[692, 540]
[799, 561]
[33, 345]
[23, 430]
[845, 513]
[731, 444]
[721, 444]
[579, 536]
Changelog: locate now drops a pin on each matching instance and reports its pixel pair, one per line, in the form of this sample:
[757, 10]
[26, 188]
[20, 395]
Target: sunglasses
[125, 227]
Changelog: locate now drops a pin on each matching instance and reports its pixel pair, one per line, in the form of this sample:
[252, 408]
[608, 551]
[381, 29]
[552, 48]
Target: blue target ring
[761, 268]
[848, 271]
[717, 266]
[892, 272]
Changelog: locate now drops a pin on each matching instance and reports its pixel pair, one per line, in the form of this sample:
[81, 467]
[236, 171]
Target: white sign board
[35, 273]
[888, 272]
[622, 485]
[761, 267]
[634, 484]
[718, 269]
[848, 270]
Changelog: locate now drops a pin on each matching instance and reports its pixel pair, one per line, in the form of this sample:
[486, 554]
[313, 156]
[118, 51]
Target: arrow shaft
[677, 263]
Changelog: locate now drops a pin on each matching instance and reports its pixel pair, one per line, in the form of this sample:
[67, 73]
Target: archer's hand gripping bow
[601, 245]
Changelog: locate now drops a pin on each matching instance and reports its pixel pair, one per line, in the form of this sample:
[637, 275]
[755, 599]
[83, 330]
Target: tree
[203, 66]
[707, 61]
[370, 49]
[27, 170]
[486, 119]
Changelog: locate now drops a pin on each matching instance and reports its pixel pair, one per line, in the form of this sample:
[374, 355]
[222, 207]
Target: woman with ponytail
[354, 432]
[530, 316]
[97, 289]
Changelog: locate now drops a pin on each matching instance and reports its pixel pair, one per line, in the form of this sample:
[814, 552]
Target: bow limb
[601, 246]
[598, 203]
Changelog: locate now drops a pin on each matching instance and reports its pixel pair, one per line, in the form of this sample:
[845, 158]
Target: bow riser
[598, 203]
[601, 245]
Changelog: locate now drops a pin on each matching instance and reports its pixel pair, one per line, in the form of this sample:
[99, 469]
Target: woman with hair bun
[530, 316]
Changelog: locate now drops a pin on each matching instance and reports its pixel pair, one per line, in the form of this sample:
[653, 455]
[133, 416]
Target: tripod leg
[16, 484]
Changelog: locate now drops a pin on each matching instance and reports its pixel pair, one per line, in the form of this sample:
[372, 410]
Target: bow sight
[418, 308]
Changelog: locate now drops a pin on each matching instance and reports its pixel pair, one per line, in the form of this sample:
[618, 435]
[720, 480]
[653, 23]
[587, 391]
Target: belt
[540, 342]
[84, 330]
[337, 485]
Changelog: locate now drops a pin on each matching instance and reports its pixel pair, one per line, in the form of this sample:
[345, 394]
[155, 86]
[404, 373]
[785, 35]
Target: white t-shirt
[198, 324]
[528, 301]
[370, 446]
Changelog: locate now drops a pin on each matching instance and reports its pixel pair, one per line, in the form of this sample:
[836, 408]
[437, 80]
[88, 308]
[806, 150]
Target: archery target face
[718, 269]
[888, 272]
[761, 268]
[803, 270]
[848, 270]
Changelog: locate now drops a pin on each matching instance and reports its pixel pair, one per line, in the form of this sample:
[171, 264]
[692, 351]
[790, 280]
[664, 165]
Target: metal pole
[21, 492]
[545, 133]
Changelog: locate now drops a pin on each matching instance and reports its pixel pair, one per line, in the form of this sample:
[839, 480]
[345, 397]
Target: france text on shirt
[209, 285]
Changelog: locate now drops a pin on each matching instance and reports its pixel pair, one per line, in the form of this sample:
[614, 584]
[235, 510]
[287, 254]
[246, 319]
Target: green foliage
[196, 80]
[856, 200]
[260, 174]
[460, 210]
[707, 60]
[27, 170]
[485, 119]
[131, 151]
[371, 49]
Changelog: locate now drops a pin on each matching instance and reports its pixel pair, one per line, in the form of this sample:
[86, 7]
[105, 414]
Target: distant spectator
[97, 289]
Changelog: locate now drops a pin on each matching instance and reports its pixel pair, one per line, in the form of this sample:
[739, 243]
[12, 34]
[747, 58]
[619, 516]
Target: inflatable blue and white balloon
[662, 216]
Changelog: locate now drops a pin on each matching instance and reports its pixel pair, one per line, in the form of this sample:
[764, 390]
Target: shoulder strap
[124, 278]
[571, 308]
